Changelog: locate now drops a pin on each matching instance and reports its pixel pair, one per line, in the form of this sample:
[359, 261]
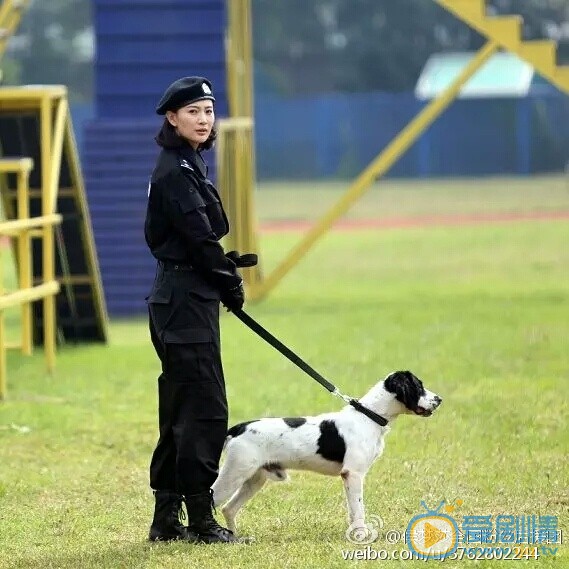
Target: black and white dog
[344, 443]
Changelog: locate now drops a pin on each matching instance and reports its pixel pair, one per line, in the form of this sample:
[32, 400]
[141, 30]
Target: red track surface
[405, 222]
[412, 222]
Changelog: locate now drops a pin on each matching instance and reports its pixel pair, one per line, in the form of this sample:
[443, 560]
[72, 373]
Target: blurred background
[334, 82]
[333, 86]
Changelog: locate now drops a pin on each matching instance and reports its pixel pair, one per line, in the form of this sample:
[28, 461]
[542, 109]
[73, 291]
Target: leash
[288, 353]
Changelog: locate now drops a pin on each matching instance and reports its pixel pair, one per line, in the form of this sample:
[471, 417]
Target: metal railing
[24, 228]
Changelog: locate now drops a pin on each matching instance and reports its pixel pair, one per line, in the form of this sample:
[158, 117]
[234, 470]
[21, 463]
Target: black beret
[183, 92]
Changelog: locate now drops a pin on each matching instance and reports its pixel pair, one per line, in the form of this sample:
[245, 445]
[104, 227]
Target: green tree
[359, 45]
[53, 48]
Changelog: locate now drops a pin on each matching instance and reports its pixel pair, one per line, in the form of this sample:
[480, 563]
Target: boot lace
[213, 525]
[180, 512]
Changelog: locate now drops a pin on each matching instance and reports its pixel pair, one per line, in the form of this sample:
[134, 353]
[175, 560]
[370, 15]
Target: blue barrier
[338, 135]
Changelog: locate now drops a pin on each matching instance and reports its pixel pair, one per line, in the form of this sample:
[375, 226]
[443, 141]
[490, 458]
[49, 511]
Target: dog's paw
[229, 521]
[364, 533]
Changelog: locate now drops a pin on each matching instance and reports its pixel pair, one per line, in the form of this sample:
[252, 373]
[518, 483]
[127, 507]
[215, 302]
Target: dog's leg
[242, 496]
[232, 476]
[353, 486]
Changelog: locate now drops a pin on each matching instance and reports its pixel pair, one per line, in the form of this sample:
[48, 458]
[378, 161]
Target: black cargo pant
[192, 403]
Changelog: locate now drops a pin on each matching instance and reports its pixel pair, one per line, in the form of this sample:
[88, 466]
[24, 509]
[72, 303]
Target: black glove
[233, 298]
[246, 260]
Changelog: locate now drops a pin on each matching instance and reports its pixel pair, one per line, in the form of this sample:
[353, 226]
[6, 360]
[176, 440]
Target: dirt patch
[415, 222]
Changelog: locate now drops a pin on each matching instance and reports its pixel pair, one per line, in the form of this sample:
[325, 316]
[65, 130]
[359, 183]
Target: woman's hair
[168, 137]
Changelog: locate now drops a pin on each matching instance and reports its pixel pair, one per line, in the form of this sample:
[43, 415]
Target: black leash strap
[268, 337]
[288, 353]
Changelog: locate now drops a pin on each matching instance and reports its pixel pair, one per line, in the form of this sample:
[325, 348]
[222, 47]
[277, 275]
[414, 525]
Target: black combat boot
[166, 524]
[202, 523]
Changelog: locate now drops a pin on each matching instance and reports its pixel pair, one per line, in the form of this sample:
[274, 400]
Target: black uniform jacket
[185, 219]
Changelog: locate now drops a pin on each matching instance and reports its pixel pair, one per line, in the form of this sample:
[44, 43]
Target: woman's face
[194, 121]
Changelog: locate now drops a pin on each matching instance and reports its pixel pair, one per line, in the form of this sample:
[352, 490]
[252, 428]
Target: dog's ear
[406, 387]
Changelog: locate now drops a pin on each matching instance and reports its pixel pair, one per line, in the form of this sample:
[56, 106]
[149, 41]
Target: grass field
[478, 312]
[400, 198]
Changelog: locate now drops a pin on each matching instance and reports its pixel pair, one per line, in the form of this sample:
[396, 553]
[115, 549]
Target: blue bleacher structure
[142, 46]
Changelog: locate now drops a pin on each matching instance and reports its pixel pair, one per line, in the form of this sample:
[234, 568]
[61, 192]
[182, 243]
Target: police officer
[184, 223]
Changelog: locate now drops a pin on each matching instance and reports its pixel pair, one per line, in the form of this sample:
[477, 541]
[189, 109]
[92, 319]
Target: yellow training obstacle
[21, 228]
[506, 31]
[378, 167]
[10, 15]
[501, 31]
[44, 202]
[35, 121]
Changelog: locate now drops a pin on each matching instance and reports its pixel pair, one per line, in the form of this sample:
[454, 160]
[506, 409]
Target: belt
[175, 266]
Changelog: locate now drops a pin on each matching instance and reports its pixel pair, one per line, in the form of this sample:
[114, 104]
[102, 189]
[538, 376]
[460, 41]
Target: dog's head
[410, 393]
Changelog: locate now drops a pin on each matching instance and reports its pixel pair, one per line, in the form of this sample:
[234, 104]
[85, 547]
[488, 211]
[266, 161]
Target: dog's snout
[438, 400]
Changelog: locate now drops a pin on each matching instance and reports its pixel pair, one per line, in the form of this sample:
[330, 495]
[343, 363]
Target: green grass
[396, 198]
[478, 312]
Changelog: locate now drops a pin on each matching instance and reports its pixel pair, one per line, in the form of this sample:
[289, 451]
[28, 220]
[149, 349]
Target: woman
[184, 223]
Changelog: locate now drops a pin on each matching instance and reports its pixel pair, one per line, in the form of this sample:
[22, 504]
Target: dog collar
[381, 421]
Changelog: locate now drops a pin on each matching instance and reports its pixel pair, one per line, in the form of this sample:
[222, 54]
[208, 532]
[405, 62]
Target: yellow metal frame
[239, 58]
[377, 168]
[56, 136]
[235, 143]
[10, 16]
[506, 31]
[235, 148]
[21, 229]
[501, 31]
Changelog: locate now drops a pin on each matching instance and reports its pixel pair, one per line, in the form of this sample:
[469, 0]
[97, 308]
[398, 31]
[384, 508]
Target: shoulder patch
[294, 422]
[184, 164]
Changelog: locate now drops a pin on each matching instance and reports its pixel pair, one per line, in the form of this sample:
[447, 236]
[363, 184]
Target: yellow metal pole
[237, 154]
[86, 226]
[3, 370]
[252, 275]
[5, 8]
[231, 58]
[14, 226]
[239, 58]
[30, 295]
[57, 149]
[2, 357]
[49, 301]
[24, 255]
[48, 260]
[246, 67]
[378, 168]
[10, 15]
[240, 186]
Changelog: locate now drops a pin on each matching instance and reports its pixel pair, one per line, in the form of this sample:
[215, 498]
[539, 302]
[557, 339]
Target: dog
[344, 443]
